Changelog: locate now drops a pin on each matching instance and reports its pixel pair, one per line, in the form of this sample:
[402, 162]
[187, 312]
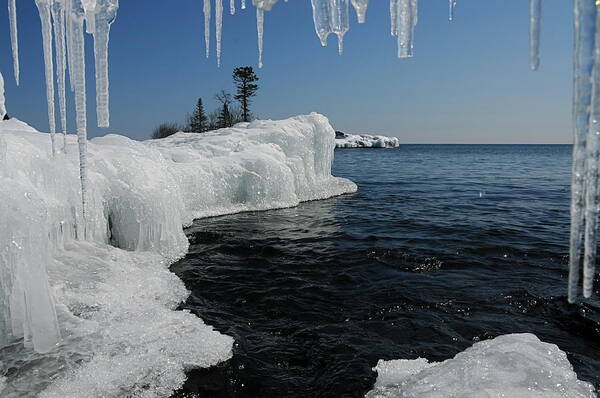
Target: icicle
[592, 200]
[321, 19]
[58, 19]
[14, 40]
[394, 17]
[451, 6]
[219, 27]
[360, 6]
[535, 15]
[77, 51]
[260, 21]
[105, 14]
[407, 19]
[243, 4]
[206, 11]
[340, 20]
[232, 7]
[68, 8]
[584, 27]
[46, 21]
[2, 100]
[89, 8]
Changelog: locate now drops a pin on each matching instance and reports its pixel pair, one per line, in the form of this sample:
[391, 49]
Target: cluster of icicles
[63, 31]
[63, 21]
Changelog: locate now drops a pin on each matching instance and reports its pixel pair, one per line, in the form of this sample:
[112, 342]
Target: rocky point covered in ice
[92, 298]
[345, 140]
[513, 365]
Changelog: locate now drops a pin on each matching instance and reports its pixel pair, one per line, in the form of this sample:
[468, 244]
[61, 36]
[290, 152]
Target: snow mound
[344, 140]
[513, 365]
[87, 306]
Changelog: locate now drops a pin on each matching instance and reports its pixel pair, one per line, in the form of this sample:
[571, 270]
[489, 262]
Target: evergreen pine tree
[225, 117]
[244, 79]
[198, 122]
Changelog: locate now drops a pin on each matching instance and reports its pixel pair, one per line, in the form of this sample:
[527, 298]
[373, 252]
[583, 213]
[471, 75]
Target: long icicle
[260, 23]
[46, 21]
[232, 7]
[339, 19]
[77, 50]
[591, 178]
[407, 19]
[451, 6]
[218, 27]
[535, 15]
[58, 20]
[106, 12]
[394, 17]
[14, 37]
[321, 19]
[584, 26]
[360, 6]
[206, 11]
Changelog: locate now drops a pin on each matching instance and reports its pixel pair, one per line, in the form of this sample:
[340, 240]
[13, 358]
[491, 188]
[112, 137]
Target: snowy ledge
[87, 308]
[345, 140]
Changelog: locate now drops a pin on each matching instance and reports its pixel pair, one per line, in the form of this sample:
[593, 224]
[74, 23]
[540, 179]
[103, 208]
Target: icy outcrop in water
[2, 100]
[113, 291]
[344, 140]
[535, 16]
[513, 365]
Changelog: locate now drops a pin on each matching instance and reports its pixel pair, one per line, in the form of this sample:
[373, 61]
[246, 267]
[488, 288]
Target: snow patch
[512, 365]
[87, 305]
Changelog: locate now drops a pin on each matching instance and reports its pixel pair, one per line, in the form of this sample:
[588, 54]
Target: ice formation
[535, 16]
[586, 110]
[46, 22]
[451, 6]
[58, 20]
[513, 365]
[113, 291]
[2, 100]
[12, 15]
[344, 140]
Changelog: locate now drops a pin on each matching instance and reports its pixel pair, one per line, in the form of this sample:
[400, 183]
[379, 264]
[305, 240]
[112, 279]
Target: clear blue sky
[468, 83]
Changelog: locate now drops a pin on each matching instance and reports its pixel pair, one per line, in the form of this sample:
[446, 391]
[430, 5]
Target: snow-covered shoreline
[346, 141]
[110, 296]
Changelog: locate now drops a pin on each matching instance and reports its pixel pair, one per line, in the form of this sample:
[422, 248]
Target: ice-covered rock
[93, 299]
[513, 365]
[344, 140]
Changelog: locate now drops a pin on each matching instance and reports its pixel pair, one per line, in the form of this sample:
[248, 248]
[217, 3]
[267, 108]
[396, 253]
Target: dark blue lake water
[442, 246]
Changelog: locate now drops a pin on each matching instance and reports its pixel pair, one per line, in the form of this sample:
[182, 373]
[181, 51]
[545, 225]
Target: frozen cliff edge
[102, 287]
[345, 140]
[512, 365]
